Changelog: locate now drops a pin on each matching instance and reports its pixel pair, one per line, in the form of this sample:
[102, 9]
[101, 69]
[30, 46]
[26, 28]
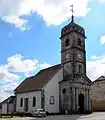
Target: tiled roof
[38, 81]
[11, 99]
[101, 78]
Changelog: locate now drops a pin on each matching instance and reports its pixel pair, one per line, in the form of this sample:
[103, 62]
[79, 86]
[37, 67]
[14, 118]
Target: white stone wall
[30, 96]
[98, 96]
[11, 108]
[52, 89]
[4, 108]
[98, 90]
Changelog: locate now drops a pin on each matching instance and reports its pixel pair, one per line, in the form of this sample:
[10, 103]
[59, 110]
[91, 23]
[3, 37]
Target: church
[64, 87]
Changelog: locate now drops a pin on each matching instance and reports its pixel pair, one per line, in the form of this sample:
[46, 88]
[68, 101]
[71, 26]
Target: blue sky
[30, 32]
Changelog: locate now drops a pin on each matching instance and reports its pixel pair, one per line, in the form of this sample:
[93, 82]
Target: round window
[64, 91]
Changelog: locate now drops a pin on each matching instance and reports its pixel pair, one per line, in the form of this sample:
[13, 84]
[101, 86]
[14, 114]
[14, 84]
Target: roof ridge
[50, 67]
[9, 98]
[43, 70]
[54, 73]
[37, 81]
[102, 77]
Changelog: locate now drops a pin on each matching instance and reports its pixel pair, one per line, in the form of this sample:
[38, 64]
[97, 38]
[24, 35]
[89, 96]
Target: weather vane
[72, 10]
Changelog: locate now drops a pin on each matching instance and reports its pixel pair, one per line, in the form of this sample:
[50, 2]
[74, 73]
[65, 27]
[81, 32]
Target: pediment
[83, 79]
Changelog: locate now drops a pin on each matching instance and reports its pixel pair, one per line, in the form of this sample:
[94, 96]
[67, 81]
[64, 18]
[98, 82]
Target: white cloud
[102, 39]
[15, 20]
[3, 94]
[96, 57]
[102, 1]
[6, 76]
[44, 65]
[8, 81]
[96, 67]
[9, 73]
[51, 11]
[16, 63]
[6, 90]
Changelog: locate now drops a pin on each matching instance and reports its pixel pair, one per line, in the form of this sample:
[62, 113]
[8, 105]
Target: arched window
[80, 68]
[21, 102]
[51, 99]
[67, 42]
[34, 101]
[64, 91]
[79, 42]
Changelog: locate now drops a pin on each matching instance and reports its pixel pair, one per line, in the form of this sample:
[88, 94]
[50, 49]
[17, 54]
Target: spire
[72, 10]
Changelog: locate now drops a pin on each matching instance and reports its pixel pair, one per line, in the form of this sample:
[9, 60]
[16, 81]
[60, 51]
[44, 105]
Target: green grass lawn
[9, 116]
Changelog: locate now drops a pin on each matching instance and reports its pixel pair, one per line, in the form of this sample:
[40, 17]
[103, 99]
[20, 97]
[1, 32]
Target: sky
[30, 32]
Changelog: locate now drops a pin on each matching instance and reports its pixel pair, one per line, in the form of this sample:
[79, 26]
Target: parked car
[39, 113]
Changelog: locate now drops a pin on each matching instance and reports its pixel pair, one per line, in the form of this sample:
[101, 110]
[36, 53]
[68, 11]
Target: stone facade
[8, 106]
[98, 94]
[75, 90]
[21, 107]
[70, 99]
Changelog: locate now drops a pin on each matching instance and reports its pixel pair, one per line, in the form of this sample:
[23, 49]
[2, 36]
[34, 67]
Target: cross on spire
[72, 10]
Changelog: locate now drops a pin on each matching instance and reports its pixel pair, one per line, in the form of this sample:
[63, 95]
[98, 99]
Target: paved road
[93, 116]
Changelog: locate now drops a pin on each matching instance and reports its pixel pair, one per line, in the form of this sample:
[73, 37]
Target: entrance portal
[81, 103]
[26, 104]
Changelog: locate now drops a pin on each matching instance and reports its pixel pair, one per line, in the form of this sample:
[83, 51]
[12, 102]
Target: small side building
[0, 108]
[9, 105]
[98, 94]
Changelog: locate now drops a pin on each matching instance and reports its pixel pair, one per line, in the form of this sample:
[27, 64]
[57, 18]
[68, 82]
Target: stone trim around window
[52, 100]
[34, 102]
[21, 102]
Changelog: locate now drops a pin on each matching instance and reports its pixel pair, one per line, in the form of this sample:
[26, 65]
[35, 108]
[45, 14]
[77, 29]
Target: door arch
[81, 103]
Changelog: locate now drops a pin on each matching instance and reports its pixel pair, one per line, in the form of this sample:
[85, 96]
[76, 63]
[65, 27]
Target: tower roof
[72, 26]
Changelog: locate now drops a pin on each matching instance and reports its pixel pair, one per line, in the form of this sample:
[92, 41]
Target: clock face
[67, 56]
[79, 56]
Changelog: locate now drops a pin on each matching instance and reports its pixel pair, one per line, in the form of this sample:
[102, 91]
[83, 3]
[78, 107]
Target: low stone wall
[98, 105]
[98, 95]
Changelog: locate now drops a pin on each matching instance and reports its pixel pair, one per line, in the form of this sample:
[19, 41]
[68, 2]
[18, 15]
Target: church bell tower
[75, 88]
[73, 55]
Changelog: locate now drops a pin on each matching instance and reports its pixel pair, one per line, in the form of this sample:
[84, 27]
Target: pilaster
[89, 96]
[73, 99]
[76, 105]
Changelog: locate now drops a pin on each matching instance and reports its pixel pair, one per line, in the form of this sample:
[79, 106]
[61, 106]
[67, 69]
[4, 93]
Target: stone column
[73, 99]
[70, 100]
[85, 100]
[76, 102]
[89, 98]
